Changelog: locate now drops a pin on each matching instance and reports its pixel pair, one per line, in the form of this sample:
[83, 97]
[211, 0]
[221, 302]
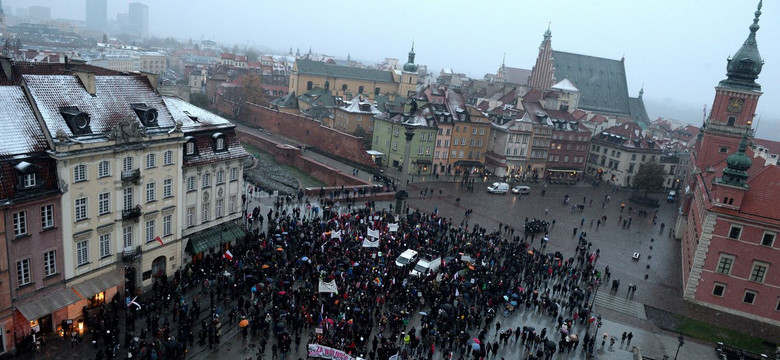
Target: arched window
[327, 85]
[344, 88]
[376, 91]
[360, 89]
[309, 85]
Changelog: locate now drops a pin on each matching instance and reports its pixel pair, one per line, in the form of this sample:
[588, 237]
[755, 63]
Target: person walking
[629, 337]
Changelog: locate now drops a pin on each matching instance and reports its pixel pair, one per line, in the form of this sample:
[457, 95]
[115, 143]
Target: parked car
[426, 265]
[672, 196]
[521, 189]
[498, 188]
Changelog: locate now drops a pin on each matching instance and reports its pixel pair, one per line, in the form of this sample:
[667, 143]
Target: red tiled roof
[47, 176]
[206, 153]
[629, 135]
[579, 114]
[773, 147]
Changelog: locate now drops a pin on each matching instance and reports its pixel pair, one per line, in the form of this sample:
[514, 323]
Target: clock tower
[734, 107]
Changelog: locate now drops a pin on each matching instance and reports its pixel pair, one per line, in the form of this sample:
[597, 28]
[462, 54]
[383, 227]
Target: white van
[426, 266]
[498, 188]
[407, 257]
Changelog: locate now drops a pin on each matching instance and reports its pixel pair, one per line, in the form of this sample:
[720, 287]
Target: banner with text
[329, 287]
[370, 244]
[328, 353]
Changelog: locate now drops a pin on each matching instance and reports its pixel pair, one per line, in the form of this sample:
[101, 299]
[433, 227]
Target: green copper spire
[737, 165]
[743, 68]
[410, 66]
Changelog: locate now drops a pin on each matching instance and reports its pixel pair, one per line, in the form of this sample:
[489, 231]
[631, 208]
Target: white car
[521, 189]
[498, 188]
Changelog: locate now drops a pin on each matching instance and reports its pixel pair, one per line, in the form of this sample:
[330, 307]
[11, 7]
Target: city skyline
[676, 58]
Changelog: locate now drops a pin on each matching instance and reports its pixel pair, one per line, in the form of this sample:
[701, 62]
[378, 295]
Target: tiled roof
[19, 68]
[109, 106]
[47, 179]
[628, 135]
[638, 112]
[345, 72]
[289, 101]
[192, 117]
[21, 131]
[602, 82]
[353, 106]
[318, 97]
[773, 147]
[206, 153]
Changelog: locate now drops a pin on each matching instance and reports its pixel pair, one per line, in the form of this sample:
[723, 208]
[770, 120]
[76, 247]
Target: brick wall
[302, 129]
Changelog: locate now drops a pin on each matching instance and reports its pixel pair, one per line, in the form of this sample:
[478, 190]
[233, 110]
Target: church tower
[543, 73]
[408, 85]
[734, 106]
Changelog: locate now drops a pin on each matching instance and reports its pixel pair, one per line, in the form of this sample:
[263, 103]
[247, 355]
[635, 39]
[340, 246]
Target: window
[758, 274]
[190, 216]
[723, 149]
[446, 142]
[232, 204]
[151, 160]
[47, 216]
[420, 150]
[734, 232]
[220, 176]
[479, 143]
[768, 239]
[454, 154]
[731, 120]
[343, 87]
[725, 263]
[206, 180]
[127, 237]
[482, 131]
[719, 289]
[167, 225]
[191, 183]
[82, 253]
[377, 90]
[395, 146]
[150, 230]
[220, 205]
[80, 173]
[127, 164]
[29, 180]
[219, 144]
[233, 174]
[81, 209]
[309, 85]
[167, 188]
[151, 192]
[360, 89]
[50, 263]
[750, 297]
[105, 245]
[168, 158]
[104, 169]
[205, 212]
[472, 142]
[189, 148]
[460, 155]
[327, 85]
[23, 272]
[463, 141]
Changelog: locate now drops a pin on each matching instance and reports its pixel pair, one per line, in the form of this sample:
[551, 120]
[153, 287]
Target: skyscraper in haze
[97, 15]
[138, 18]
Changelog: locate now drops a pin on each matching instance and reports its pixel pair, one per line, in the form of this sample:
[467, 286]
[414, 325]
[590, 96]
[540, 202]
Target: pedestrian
[629, 337]
[546, 211]
[574, 232]
[623, 338]
[498, 326]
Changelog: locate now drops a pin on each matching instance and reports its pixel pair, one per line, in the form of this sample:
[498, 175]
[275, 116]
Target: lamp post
[679, 345]
[401, 195]
[590, 309]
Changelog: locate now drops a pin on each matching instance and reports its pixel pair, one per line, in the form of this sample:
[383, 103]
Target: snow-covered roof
[565, 85]
[191, 116]
[21, 132]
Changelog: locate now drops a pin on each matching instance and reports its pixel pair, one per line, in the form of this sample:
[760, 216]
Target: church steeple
[410, 66]
[743, 68]
[543, 73]
[737, 165]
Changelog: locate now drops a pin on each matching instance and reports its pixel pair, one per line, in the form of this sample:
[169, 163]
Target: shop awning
[469, 163]
[214, 236]
[423, 162]
[374, 153]
[35, 309]
[565, 170]
[89, 288]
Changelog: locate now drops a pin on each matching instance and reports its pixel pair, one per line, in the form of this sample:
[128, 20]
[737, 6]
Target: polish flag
[159, 240]
[228, 255]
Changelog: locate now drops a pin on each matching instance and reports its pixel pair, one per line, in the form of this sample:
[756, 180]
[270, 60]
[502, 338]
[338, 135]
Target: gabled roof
[206, 153]
[109, 105]
[638, 112]
[193, 118]
[22, 134]
[318, 97]
[289, 101]
[310, 67]
[628, 135]
[565, 85]
[602, 82]
[354, 106]
[19, 68]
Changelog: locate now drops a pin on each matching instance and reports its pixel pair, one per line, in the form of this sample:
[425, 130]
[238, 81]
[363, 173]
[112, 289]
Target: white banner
[325, 352]
[370, 244]
[373, 233]
[335, 234]
[393, 227]
[329, 287]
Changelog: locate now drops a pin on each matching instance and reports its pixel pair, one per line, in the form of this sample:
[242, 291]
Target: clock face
[735, 105]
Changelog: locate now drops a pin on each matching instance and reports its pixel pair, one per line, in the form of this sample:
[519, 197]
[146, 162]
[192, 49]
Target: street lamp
[590, 309]
[681, 342]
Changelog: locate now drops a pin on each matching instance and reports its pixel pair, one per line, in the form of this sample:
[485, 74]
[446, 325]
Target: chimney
[153, 78]
[87, 79]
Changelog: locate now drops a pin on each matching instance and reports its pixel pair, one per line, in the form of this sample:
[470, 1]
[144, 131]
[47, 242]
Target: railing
[130, 254]
[131, 175]
[132, 213]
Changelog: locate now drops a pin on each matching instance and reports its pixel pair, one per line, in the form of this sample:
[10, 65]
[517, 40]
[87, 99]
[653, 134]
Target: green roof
[310, 67]
[288, 101]
[214, 236]
[638, 112]
[602, 82]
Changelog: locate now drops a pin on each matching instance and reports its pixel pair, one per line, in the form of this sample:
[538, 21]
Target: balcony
[130, 254]
[132, 213]
[131, 176]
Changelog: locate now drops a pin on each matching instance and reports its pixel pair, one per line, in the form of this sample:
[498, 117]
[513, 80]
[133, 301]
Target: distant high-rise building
[40, 12]
[97, 15]
[138, 18]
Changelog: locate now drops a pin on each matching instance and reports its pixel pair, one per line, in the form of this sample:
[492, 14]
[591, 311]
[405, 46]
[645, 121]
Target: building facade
[617, 153]
[729, 223]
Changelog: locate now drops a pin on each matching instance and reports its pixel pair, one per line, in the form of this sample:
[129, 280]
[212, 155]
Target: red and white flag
[159, 240]
[228, 255]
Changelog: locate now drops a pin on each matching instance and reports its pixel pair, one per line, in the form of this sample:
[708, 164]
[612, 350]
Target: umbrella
[549, 344]
[506, 298]
[280, 249]
[266, 266]
[573, 337]
[513, 303]
[357, 309]
[243, 323]
[515, 296]
[475, 346]
[423, 313]
[305, 258]
[282, 293]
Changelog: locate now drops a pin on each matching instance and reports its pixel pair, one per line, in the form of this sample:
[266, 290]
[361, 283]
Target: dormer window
[77, 120]
[27, 175]
[146, 114]
[189, 147]
[218, 141]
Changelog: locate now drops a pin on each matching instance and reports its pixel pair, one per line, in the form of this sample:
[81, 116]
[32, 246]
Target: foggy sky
[677, 50]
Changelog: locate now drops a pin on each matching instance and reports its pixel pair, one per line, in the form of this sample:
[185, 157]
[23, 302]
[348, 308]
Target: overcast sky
[677, 49]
